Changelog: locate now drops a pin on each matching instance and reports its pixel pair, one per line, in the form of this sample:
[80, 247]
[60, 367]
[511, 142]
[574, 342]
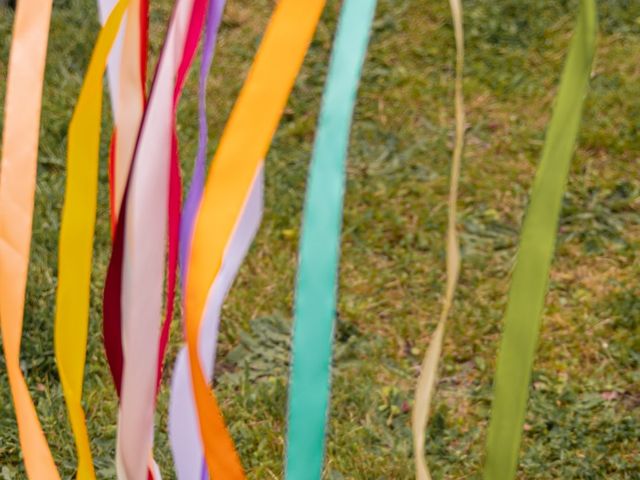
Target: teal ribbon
[316, 290]
[529, 284]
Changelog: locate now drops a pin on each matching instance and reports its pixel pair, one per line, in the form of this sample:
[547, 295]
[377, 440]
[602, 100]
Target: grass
[584, 413]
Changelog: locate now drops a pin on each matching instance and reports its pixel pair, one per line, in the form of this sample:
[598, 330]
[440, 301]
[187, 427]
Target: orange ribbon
[17, 189]
[243, 145]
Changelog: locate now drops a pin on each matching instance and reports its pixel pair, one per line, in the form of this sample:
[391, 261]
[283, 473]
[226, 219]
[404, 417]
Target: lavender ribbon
[192, 202]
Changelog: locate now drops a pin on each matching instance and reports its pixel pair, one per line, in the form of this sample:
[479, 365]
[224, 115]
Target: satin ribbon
[429, 371]
[232, 178]
[183, 425]
[17, 190]
[78, 221]
[134, 290]
[127, 87]
[113, 74]
[113, 284]
[316, 286]
[76, 238]
[105, 7]
[184, 433]
[523, 314]
[175, 185]
[190, 208]
[130, 100]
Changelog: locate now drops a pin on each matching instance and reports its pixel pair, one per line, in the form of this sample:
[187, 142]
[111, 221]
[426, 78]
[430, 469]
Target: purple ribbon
[192, 202]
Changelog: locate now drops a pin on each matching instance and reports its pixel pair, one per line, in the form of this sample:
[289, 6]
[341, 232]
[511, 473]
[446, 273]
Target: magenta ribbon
[113, 284]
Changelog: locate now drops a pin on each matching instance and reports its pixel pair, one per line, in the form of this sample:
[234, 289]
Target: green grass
[584, 414]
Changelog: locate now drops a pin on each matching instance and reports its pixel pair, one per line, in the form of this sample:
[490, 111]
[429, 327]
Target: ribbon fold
[134, 287]
[184, 436]
[233, 174]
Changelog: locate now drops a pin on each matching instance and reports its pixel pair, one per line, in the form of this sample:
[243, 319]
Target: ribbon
[184, 433]
[78, 221]
[429, 371]
[105, 7]
[232, 178]
[190, 208]
[134, 289]
[17, 190]
[183, 425]
[129, 51]
[130, 101]
[113, 284]
[523, 314]
[316, 289]
[76, 238]
[175, 185]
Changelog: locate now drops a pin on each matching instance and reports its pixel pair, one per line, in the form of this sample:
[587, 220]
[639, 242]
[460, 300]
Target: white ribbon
[184, 431]
[113, 69]
[144, 258]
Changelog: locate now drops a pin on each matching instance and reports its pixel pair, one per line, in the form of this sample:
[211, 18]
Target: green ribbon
[316, 290]
[528, 287]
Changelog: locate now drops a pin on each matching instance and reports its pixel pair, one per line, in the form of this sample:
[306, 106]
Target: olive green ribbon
[529, 282]
[315, 301]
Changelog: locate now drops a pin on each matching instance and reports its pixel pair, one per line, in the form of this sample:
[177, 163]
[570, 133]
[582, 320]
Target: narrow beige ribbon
[429, 369]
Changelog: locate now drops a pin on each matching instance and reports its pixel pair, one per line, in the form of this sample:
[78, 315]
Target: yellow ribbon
[17, 189]
[429, 370]
[76, 238]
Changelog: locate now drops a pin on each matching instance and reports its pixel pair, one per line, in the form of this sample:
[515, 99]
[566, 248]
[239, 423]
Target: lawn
[583, 419]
